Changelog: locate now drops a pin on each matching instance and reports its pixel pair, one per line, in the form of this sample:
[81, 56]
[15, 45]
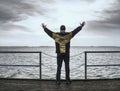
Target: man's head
[62, 28]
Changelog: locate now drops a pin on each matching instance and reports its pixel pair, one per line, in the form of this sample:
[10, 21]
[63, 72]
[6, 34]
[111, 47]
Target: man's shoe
[58, 82]
[68, 82]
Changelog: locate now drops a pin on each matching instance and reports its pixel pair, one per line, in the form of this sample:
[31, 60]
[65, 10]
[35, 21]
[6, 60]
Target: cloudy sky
[20, 21]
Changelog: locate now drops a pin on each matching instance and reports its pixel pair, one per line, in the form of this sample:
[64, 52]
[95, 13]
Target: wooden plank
[50, 85]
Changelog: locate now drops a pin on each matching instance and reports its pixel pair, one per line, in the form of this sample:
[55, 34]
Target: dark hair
[62, 27]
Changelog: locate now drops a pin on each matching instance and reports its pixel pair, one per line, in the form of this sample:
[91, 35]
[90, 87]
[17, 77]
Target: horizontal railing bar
[104, 65]
[102, 51]
[20, 51]
[22, 65]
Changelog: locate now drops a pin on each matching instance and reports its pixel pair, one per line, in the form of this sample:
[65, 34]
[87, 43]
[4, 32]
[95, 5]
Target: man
[62, 41]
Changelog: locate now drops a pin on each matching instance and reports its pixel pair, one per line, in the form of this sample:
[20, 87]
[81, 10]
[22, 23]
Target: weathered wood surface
[50, 85]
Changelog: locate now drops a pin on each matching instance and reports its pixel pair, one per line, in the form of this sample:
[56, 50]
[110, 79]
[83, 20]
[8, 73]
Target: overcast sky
[20, 21]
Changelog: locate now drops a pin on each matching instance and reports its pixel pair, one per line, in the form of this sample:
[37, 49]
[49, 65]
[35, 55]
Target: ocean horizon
[77, 62]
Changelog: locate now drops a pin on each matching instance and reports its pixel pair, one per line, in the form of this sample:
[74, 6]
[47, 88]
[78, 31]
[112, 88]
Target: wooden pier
[50, 85]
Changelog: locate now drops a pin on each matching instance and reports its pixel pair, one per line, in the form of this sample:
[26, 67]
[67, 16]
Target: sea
[49, 63]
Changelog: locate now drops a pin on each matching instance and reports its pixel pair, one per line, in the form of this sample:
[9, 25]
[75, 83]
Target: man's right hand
[43, 25]
[82, 24]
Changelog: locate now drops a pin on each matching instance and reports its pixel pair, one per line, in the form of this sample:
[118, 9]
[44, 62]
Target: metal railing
[86, 65]
[40, 60]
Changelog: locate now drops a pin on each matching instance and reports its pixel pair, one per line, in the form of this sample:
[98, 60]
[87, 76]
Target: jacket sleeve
[49, 32]
[75, 31]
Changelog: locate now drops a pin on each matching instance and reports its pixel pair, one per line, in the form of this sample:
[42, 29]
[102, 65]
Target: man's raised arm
[75, 31]
[49, 32]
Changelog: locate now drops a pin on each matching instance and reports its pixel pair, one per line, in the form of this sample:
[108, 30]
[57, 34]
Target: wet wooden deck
[50, 85]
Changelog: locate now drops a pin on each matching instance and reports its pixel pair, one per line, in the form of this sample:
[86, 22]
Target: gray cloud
[89, 0]
[113, 14]
[12, 10]
[17, 10]
[110, 18]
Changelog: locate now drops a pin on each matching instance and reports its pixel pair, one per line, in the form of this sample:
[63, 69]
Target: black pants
[60, 58]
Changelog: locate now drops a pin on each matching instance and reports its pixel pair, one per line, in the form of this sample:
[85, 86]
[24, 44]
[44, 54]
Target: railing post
[85, 65]
[40, 68]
